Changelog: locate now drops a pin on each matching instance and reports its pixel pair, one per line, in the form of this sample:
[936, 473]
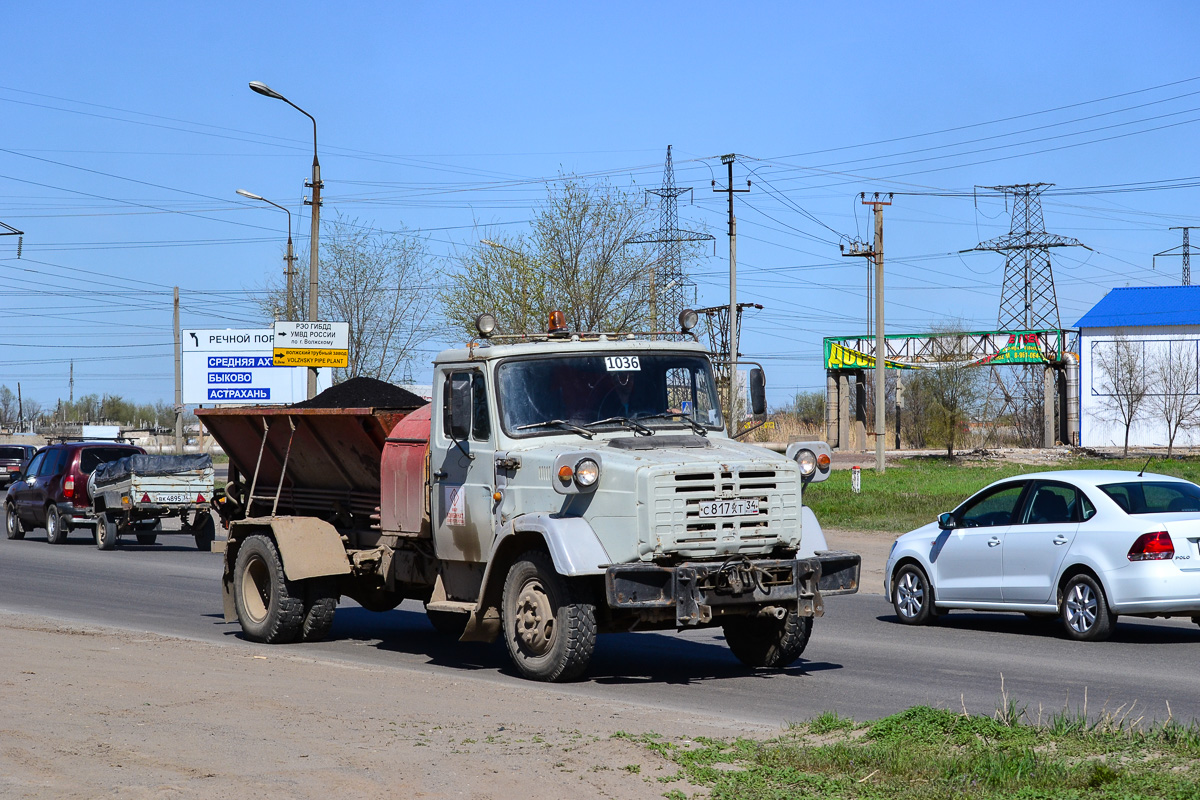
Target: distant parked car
[52, 492]
[1085, 546]
[13, 457]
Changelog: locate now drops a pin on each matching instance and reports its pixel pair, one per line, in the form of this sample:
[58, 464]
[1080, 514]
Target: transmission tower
[1027, 297]
[667, 283]
[716, 330]
[1185, 251]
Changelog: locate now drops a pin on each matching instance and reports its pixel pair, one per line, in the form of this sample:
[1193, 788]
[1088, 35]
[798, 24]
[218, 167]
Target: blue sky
[125, 129]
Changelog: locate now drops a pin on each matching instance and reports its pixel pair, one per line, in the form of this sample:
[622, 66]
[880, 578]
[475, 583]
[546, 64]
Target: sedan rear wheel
[1084, 610]
[912, 596]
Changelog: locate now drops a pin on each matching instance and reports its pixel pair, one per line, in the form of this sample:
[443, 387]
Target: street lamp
[291, 259]
[313, 260]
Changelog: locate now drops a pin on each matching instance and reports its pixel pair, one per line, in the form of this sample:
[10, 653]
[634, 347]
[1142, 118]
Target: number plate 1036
[729, 508]
[622, 364]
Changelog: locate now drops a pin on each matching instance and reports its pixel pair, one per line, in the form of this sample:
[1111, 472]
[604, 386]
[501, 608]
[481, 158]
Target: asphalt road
[860, 662]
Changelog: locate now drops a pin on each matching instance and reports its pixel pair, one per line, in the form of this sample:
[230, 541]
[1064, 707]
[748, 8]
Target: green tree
[576, 258]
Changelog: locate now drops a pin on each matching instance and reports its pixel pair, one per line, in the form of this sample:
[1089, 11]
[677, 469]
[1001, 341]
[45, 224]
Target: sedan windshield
[1154, 497]
[607, 392]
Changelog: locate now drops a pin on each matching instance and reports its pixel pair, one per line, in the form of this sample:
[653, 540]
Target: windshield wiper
[696, 426]
[561, 423]
[624, 422]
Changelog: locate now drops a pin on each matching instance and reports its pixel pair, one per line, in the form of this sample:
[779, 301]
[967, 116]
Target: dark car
[13, 458]
[52, 490]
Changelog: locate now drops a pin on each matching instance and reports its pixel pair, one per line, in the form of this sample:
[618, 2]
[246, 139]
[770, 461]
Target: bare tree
[8, 406]
[379, 282]
[1174, 391]
[1119, 370]
[576, 259]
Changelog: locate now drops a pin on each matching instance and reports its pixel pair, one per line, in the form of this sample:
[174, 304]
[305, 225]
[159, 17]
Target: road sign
[312, 344]
[236, 367]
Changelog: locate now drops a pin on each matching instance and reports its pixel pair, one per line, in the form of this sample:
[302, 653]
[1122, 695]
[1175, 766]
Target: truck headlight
[587, 472]
[807, 461]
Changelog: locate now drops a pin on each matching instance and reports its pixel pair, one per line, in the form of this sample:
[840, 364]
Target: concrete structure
[1156, 321]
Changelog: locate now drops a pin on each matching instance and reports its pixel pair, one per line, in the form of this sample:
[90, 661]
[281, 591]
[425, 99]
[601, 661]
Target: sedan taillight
[69, 488]
[1152, 547]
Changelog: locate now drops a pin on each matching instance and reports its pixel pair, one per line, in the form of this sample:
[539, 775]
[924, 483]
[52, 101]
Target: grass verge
[914, 492]
[925, 753]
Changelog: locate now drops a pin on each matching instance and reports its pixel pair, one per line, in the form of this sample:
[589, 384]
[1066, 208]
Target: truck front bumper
[698, 591]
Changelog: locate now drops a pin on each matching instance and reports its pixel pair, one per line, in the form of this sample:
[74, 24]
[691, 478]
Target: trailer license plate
[171, 498]
[729, 508]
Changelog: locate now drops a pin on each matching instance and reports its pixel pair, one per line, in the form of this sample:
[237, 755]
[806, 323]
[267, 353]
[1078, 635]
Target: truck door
[462, 473]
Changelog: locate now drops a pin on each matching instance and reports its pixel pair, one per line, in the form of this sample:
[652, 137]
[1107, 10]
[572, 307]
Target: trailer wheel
[320, 602]
[56, 530]
[105, 533]
[12, 523]
[768, 642]
[204, 531]
[549, 627]
[270, 608]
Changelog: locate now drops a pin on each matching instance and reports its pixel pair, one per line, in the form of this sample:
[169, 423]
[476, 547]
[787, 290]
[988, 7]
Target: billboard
[237, 367]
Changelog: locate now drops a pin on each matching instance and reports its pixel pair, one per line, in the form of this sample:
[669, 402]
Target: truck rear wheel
[105, 533]
[204, 531]
[320, 602]
[549, 627]
[270, 608]
[766, 641]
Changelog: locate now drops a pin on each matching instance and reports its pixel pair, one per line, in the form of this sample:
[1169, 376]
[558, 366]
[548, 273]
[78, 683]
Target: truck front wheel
[269, 607]
[767, 641]
[549, 627]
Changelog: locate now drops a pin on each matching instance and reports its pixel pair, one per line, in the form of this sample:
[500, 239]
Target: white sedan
[1083, 545]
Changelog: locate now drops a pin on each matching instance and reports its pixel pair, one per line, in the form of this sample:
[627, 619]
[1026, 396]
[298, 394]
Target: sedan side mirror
[947, 522]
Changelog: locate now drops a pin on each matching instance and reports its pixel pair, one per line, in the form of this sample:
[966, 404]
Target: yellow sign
[841, 357]
[289, 357]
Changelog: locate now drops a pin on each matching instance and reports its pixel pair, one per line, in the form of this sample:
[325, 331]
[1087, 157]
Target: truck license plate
[171, 498]
[729, 508]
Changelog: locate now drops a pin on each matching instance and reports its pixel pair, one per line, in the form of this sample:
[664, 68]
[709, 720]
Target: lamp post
[313, 260]
[290, 258]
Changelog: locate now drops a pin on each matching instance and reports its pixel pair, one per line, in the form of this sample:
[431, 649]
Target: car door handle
[994, 541]
[1060, 539]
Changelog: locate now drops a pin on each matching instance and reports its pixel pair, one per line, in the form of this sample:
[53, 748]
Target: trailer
[133, 495]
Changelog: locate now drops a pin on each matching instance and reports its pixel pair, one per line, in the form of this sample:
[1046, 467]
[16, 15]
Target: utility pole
[313, 253]
[178, 381]
[728, 160]
[20, 410]
[875, 253]
[72, 383]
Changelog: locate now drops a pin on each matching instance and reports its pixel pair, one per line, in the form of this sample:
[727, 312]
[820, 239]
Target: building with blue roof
[1154, 330]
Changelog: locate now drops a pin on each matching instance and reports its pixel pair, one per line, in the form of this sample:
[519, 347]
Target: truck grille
[679, 529]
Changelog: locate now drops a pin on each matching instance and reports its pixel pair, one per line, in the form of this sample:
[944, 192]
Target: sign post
[312, 344]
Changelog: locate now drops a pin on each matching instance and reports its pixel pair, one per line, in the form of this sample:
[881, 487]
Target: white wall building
[1155, 320]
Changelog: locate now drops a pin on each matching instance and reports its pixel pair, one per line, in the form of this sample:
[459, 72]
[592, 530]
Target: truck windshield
[660, 388]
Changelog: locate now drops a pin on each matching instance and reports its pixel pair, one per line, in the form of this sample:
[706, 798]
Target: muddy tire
[270, 608]
[767, 642]
[549, 625]
[56, 529]
[204, 531]
[13, 528]
[105, 533]
[320, 602]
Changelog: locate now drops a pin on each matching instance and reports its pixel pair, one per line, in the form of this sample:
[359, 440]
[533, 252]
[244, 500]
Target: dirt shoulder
[90, 711]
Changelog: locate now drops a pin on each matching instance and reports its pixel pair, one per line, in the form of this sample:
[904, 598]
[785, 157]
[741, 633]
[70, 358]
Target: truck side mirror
[758, 392]
[460, 406]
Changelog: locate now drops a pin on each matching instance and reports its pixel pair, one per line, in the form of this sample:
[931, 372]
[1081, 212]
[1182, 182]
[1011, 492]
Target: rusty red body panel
[405, 458]
[333, 457]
